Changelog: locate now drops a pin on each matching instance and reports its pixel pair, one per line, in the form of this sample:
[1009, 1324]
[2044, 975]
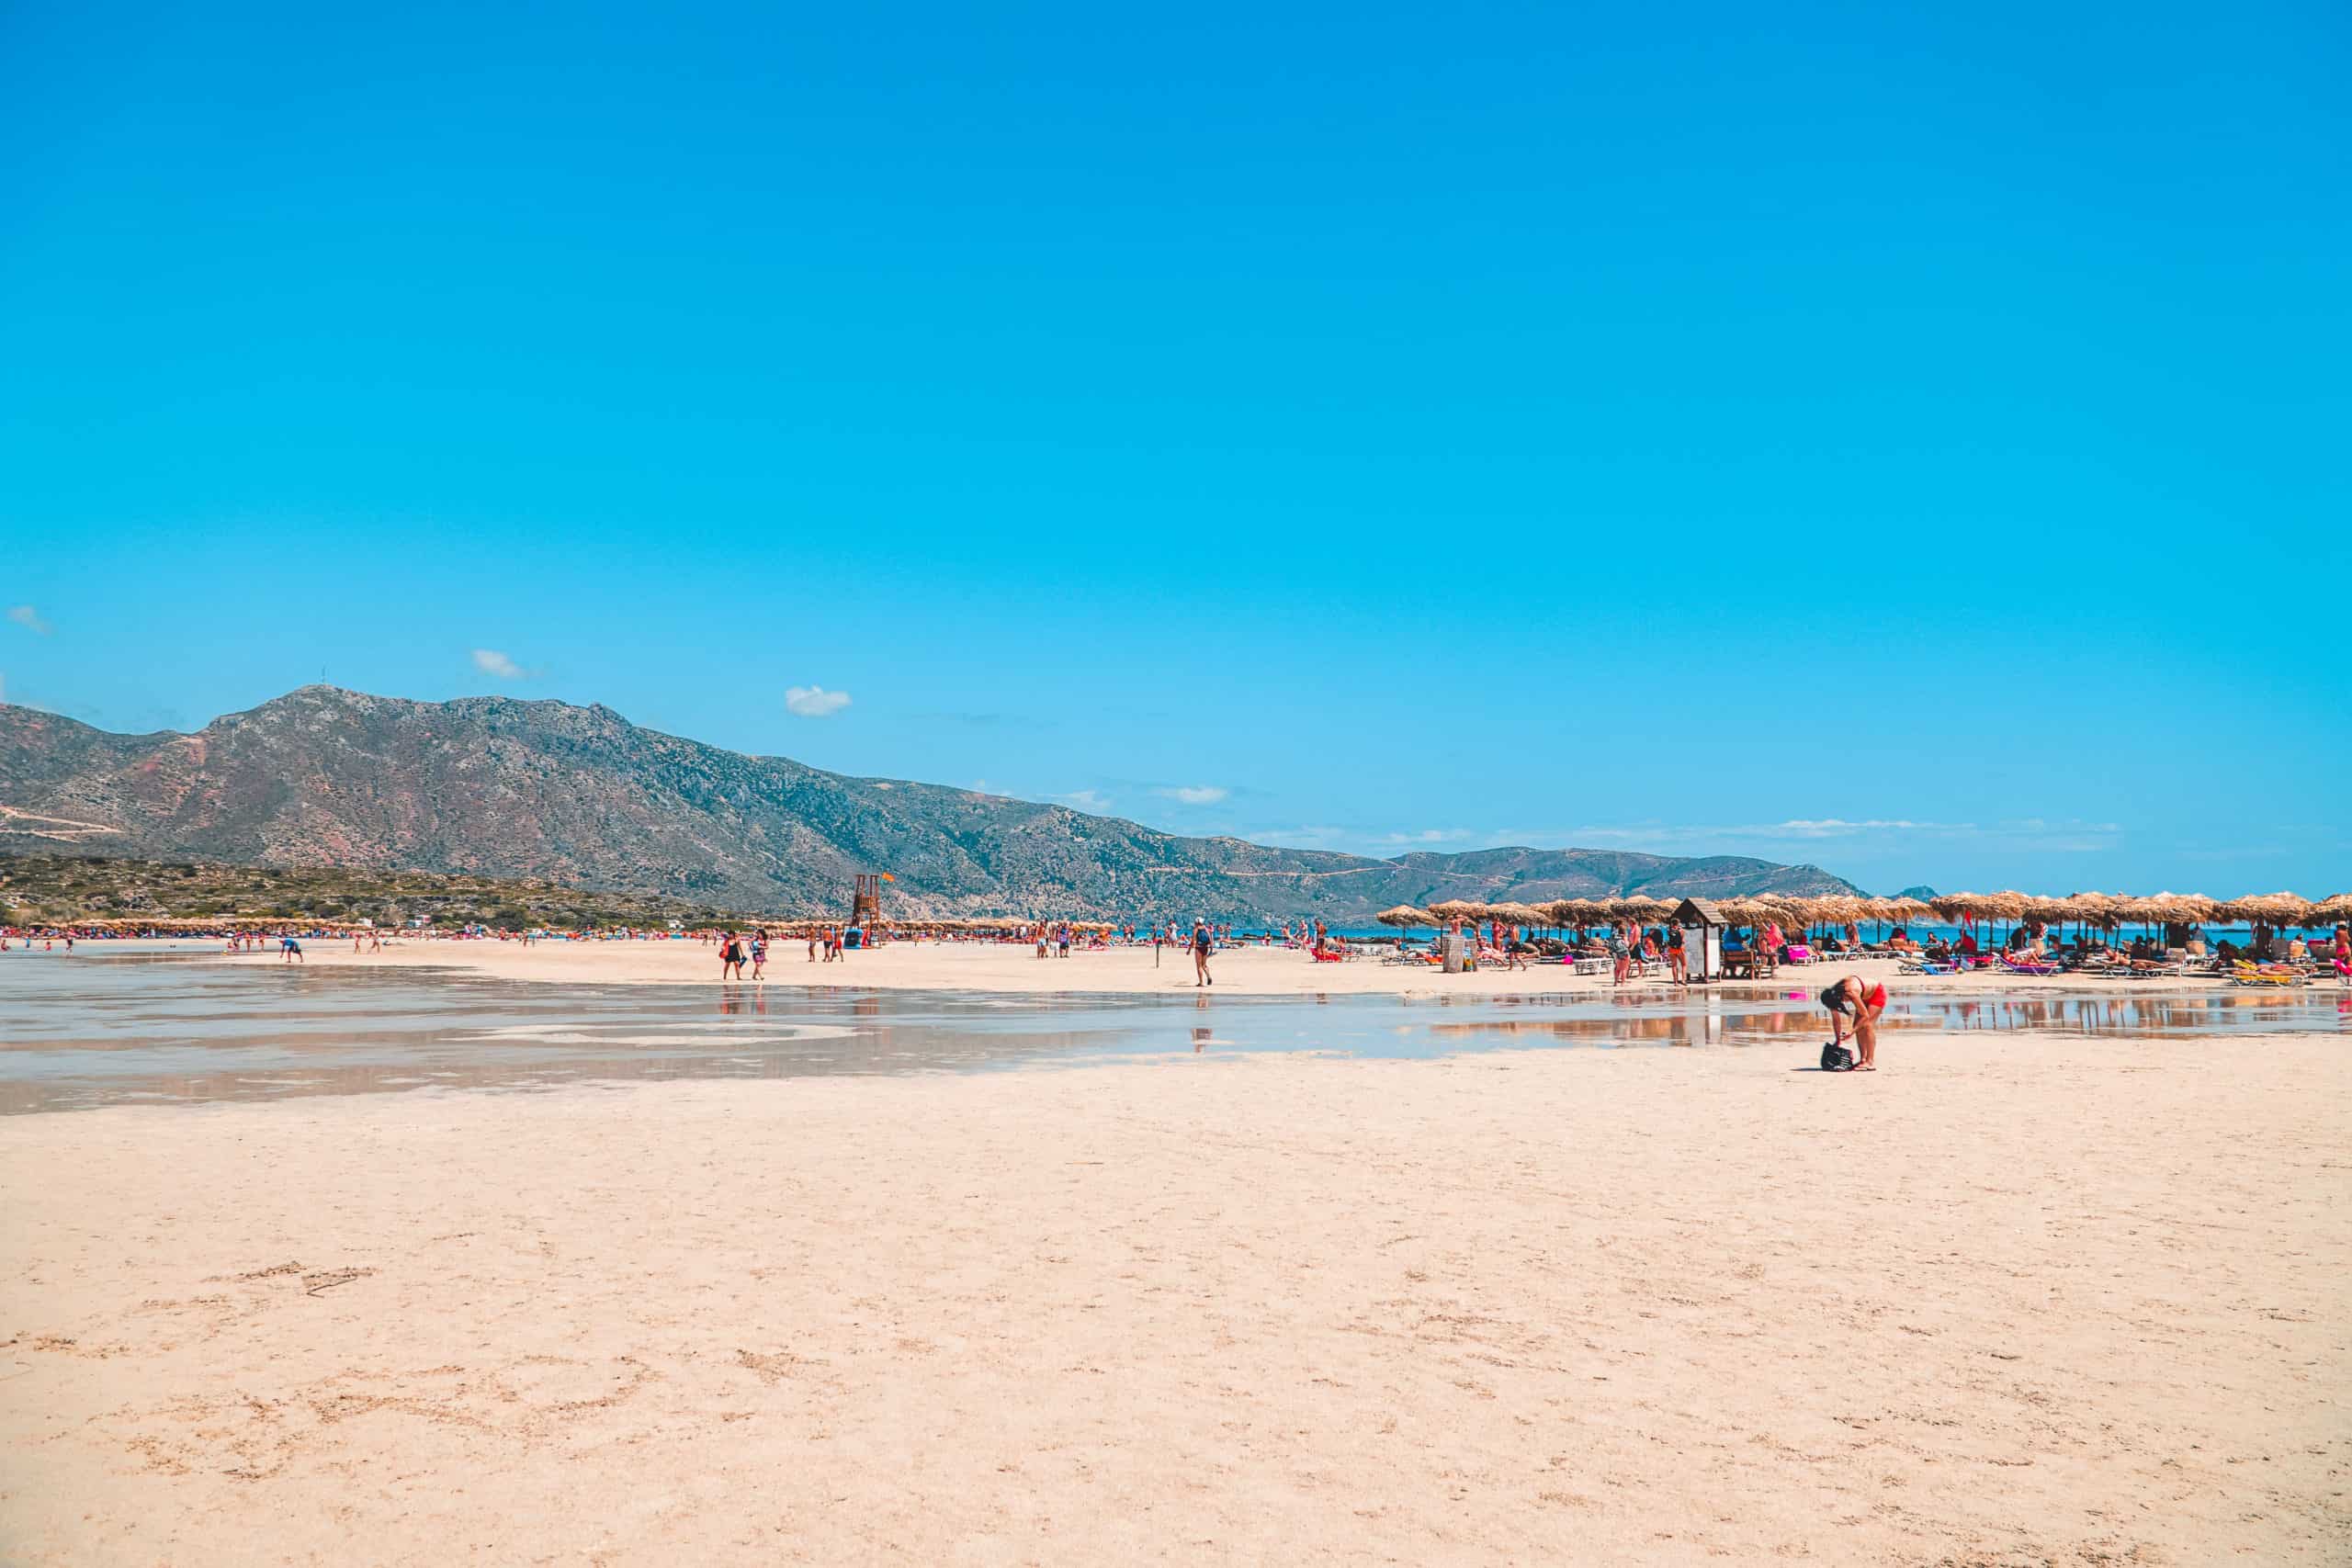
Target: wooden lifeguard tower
[866, 903]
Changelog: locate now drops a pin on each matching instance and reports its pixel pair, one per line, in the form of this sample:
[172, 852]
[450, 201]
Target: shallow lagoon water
[93, 1030]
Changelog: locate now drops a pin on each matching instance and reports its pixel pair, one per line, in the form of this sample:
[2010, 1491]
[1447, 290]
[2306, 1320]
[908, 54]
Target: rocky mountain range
[579, 796]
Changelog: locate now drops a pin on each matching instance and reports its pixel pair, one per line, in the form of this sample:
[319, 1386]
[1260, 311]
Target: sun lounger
[2030, 967]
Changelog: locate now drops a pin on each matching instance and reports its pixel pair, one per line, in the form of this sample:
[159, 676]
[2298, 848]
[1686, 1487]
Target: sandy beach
[1128, 971]
[2013, 1300]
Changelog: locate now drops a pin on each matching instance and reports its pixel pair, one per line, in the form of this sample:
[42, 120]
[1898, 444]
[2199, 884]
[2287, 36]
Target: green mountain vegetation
[579, 797]
[56, 890]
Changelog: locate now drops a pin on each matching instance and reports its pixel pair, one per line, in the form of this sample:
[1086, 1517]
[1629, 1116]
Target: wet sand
[2015, 1298]
[1014, 969]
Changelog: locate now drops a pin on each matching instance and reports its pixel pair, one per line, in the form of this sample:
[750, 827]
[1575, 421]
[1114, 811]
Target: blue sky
[1909, 443]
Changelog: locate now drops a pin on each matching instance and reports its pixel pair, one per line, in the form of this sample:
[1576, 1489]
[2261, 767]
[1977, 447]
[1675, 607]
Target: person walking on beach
[759, 953]
[1202, 944]
[731, 958]
[2340, 954]
[1865, 1005]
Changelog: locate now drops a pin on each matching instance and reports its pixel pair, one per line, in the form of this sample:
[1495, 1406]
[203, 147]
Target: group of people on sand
[735, 950]
[738, 952]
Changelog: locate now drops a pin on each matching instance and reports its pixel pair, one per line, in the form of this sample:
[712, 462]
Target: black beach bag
[1836, 1058]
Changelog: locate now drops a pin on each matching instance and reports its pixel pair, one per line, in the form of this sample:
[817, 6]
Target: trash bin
[1453, 953]
[852, 938]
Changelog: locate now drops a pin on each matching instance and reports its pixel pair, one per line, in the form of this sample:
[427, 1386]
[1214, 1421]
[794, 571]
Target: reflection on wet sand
[1675, 1019]
[1667, 1029]
[125, 1031]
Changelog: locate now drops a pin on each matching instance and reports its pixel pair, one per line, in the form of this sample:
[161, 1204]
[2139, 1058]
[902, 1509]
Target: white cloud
[1084, 800]
[489, 661]
[1194, 794]
[814, 701]
[29, 618]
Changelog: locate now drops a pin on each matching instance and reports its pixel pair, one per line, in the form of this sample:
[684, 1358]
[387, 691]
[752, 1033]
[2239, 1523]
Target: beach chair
[2040, 969]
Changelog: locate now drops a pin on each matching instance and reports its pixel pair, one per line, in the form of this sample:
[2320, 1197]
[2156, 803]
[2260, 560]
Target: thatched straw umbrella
[1900, 912]
[1518, 914]
[1965, 909]
[2280, 911]
[1577, 914]
[1405, 915]
[1756, 912]
[1453, 909]
[1640, 908]
[2186, 909]
[1829, 910]
[2046, 910]
[2270, 912]
[2333, 911]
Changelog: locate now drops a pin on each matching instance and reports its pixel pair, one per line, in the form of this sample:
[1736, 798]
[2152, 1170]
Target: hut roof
[1700, 911]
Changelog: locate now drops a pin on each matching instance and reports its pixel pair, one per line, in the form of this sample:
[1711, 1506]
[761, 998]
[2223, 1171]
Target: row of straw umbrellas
[2106, 911]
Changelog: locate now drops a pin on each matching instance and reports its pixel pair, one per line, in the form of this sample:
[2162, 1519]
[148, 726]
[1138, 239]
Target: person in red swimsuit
[1865, 1005]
